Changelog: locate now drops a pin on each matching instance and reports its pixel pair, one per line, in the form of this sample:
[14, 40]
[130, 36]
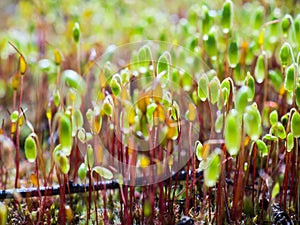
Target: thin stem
[18, 135]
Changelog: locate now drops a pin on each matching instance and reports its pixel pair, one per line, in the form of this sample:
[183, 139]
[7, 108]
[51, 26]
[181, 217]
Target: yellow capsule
[96, 124]
[102, 79]
[99, 154]
[15, 81]
[282, 90]
[247, 140]
[143, 102]
[131, 116]
[72, 96]
[206, 148]
[255, 219]
[21, 120]
[192, 112]
[34, 180]
[13, 128]
[159, 168]
[170, 161]
[157, 93]
[261, 37]
[124, 94]
[69, 213]
[159, 115]
[57, 57]
[144, 161]
[49, 113]
[22, 65]
[172, 132]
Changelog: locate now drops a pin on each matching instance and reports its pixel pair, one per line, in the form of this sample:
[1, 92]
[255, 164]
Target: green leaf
[290, 77]
[262, 147]
[273, 117]
[232, 132]
[252, 122]
[295, 125]
[65, 134]
[212, 170]
[276, 190]
[290, 142]
[30, 149]
[259, 71]
[103, 172]
[203, 87]
[241, 99]
[226, 17]
[214, 89]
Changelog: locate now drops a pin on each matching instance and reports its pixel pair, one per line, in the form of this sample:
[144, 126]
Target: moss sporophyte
[200, 123]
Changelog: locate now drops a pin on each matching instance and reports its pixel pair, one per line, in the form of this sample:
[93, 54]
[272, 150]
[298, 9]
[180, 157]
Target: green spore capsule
[285, 54]
[226, 17]
[295, 125]
[252, 122]
[203, 87]
[260, 69]
[289, 81]
[30, 149]
[233, 54]
[65, 134]
[76, 32]
[232, 132]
